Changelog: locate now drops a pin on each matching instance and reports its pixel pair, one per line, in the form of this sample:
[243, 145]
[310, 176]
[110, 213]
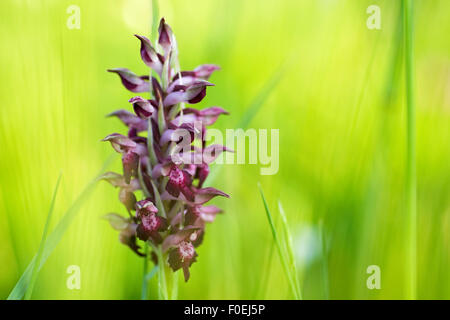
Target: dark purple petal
[209, 115]
[179, 181]
[145, 207]
[120, 143]
[199, 97]
[130, 120]
[150, 226]
[130, 162]
[142, 107]
[149, 54]
[184, 133]
[204, 71]
[131, 81]
[173, 240]
[211, 152]
[206, 194]
[182, 256]
[157, 90]
[202, 174]
[165, 36]
[192, 94]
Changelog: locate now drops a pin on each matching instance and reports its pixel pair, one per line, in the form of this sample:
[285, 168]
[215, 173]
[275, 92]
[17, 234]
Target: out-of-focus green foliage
[341, 115]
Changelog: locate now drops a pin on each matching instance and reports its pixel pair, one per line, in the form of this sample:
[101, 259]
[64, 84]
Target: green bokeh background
[341, 114]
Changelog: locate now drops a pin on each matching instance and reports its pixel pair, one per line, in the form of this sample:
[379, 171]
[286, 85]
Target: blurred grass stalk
[284, 248]
[37, 262]
[411, 152]
[55, 237]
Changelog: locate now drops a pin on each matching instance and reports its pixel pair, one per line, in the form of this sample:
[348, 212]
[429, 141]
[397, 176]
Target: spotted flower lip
[165, 156]
[183, 256]
[150, 224]
[145, 207]
[179, 182]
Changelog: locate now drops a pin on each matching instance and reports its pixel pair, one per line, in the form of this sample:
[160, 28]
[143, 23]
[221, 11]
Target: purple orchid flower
[161, 158]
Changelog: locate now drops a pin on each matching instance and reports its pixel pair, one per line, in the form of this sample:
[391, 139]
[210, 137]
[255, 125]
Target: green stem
[162, 292]
[411, 151]
[281, 254]
[151, 151]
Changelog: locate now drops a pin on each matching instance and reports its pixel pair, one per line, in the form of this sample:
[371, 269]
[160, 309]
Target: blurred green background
[339, 107]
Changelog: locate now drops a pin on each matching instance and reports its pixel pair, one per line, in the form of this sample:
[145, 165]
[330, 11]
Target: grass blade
[278, 244]
[55, 237]
[261, 97]
[35, 272]
[290, 250]
[324, 250]
[147, 277]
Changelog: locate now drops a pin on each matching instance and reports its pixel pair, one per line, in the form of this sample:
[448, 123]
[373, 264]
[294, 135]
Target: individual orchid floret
[182, 256]
[142, 107]
[130, 151]
[166, 38]
[201, 213]
[206, 116]
[192, 93]
[179, 182]
[133, 122]
[131, 81]
[150, 224]
[181, 250]
[149, 55]
[203, 71]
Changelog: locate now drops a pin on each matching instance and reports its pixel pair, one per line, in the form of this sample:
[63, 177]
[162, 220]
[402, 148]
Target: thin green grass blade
[279, 246]
[323, 245]
[261, 97]
[152, 273]
[35, 272]
[290, 250]
[147, 277]
[55, 237]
